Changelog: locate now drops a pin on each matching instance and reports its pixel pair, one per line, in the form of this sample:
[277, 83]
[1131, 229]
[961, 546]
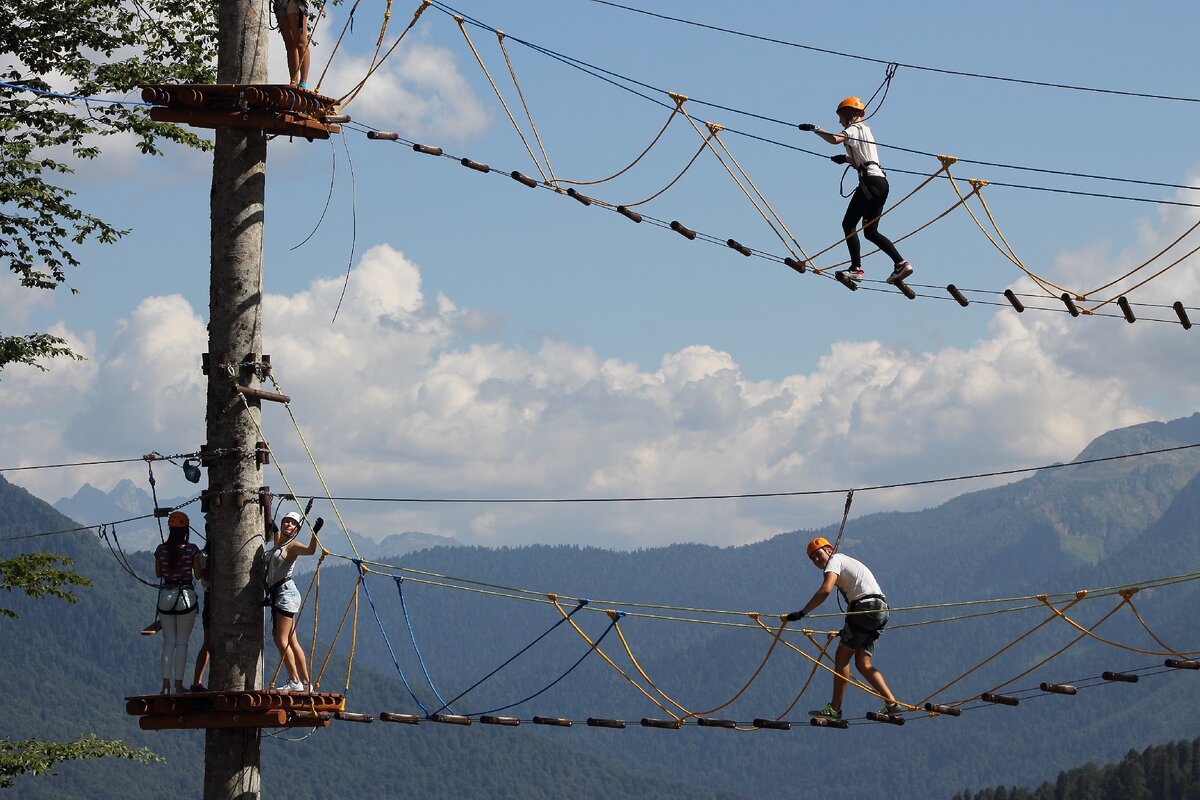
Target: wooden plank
[272, 122]
[214, 719]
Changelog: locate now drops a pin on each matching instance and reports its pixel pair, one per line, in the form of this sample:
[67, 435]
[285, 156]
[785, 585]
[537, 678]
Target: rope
[614, 616]
[674, 180]
[154, 495]
[512, 72]
[1147, 262]
[312, 460]
[1125, 599]
[631, 164]
[338, 43]
[303, 603]
[463, 27]
[1174, 263]
[592, 648]
[945, 161]
[714, 129]
[1160, 642]
[349, 97]
[850, 679]
[511, 659]
[811, 673]
[388, 642]
[1078, 598]
[413, 638]
[845, 516]
[774, 641]
[1062, 649]
[328, 653]
[1008, 251]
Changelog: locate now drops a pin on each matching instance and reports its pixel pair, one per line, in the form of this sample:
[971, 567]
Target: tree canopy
[53, 54]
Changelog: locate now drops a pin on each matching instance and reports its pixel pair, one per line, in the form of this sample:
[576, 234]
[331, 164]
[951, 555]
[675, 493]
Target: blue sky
[504, 342]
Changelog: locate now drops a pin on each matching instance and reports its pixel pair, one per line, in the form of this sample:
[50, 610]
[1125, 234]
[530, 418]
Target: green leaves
[36, 575]
[35, 757]
[90, 48]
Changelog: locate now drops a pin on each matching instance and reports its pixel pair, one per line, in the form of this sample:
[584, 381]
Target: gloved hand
[795, 616]
[840, 158]
[320, 523]
[806, 127]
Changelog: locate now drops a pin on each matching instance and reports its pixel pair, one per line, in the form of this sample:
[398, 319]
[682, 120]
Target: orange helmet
[178, 519]
[853, 103]
[816, 544]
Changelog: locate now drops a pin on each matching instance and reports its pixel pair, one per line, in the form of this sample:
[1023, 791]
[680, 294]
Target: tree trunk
[231, 757]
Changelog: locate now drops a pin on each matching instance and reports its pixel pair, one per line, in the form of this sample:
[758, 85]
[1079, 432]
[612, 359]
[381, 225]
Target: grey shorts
[862, 629]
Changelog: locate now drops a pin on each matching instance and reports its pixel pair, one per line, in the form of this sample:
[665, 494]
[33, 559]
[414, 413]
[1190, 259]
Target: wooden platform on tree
[250, 709]
[274, 108]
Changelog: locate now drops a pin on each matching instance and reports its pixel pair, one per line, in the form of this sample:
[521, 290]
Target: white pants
[176, 630]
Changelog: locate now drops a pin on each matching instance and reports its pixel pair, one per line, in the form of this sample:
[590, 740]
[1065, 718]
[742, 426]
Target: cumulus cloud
[394, 405]
[417, 91]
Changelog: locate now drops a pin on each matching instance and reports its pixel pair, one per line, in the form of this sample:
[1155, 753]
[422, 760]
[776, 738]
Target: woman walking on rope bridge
[292, 16]
[866, 615]
[869, 197]
[174, 561]
[285, 599]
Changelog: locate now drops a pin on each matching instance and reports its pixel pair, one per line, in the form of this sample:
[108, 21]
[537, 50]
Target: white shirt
[853, 577]
[860, 148]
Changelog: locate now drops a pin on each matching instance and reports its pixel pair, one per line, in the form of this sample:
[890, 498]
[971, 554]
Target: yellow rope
[462, 26]
[811, 673]
[1062, 649]
[764, 200]
[1111, 643]
[1045, 285]
[613, 616]
[1148, 261]
[850, 680]
[633, 163]
[312, 650]
[1142, 283]
[1161, 643]
[673, 180]
[521, 95]
[347, 98]
[714, 128]
[945, 162]
[338, 632]
[312, 460]
[353, 635]
[342, 35]
[1078, 598]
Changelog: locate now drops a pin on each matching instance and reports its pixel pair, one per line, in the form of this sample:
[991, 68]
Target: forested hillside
[1105, 525]
[1161, 772]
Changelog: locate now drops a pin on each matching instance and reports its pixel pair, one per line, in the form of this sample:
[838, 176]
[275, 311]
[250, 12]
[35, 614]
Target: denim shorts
[286, 599]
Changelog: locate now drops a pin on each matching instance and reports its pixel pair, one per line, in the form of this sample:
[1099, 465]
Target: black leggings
[867, 203]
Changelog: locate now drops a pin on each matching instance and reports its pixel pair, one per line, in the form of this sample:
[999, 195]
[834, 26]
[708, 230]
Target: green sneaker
[827, 712]
[892, 709]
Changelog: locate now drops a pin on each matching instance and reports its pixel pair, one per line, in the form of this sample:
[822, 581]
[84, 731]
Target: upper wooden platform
[249, 709]
[274, 108]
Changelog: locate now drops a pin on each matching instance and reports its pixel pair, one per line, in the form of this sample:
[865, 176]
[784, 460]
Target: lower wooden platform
[249, 709]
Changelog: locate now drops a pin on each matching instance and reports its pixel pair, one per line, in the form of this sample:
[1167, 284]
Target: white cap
[294, 516]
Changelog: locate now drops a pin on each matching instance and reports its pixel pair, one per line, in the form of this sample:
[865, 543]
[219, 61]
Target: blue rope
[73, 96]
[413, 637]
[582, 603]
[611, 625]
[392, 652]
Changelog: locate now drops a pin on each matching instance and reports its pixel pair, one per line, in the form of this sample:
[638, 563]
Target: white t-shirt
[860, 148]
[854, 579]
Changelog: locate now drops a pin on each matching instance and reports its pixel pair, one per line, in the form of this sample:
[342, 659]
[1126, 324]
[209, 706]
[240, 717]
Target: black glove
[795, 616]
[320, 523]
[840, 158]
[806, 126]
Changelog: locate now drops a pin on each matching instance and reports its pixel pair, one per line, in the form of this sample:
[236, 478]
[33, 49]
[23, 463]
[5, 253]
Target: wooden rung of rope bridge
[274, 108]
[248, 709]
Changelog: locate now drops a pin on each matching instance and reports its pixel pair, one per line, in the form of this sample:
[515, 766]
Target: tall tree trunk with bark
[235, 531]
